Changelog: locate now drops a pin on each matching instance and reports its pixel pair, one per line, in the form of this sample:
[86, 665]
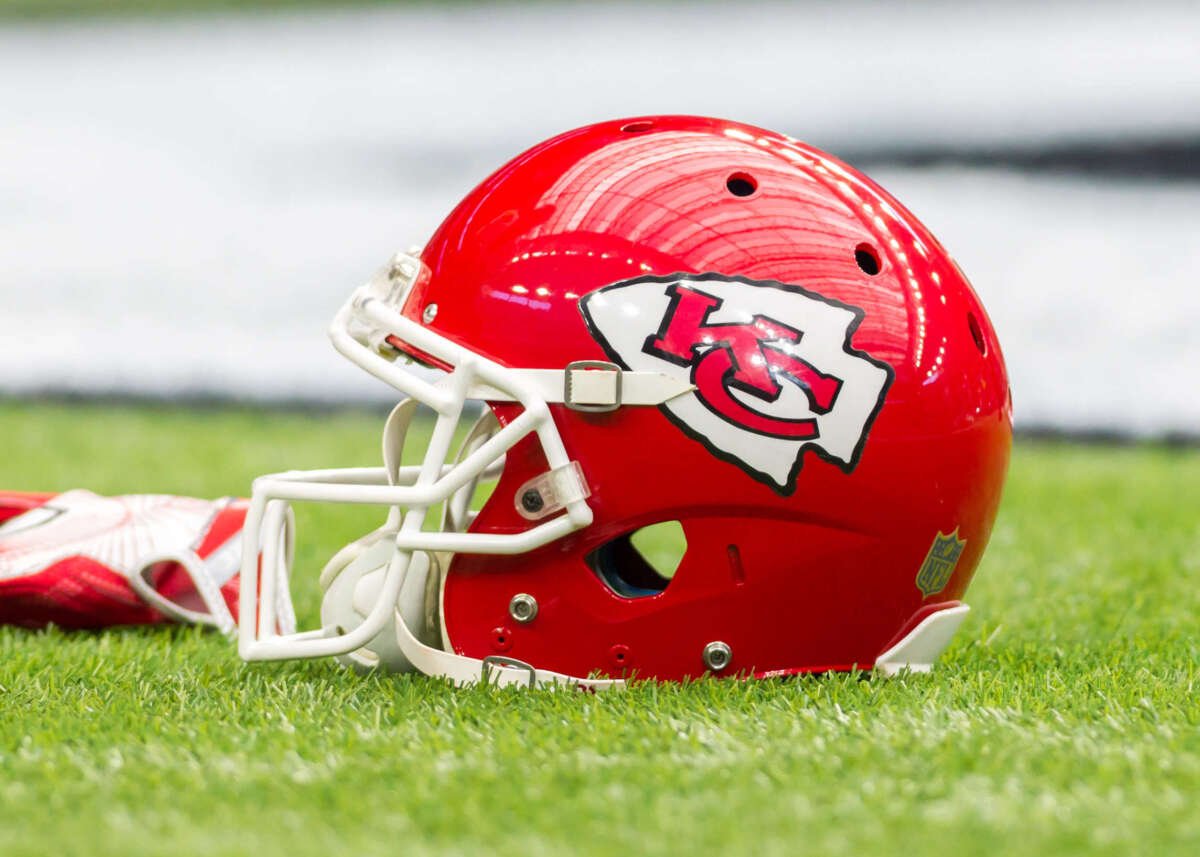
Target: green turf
[1063, 720]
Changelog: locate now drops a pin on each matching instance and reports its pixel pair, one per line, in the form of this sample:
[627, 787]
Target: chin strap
[591, 386]
[398, 649]
[498, 670]
[349, 590]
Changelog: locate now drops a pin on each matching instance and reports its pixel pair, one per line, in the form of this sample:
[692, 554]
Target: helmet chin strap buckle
[588, 386]
[500, 662]
[592, 386]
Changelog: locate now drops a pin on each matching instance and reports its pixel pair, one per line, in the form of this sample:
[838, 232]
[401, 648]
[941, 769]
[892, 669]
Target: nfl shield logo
[939, 563]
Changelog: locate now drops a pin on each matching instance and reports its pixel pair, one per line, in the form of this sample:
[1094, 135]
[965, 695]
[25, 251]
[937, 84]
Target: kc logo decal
[772, 366]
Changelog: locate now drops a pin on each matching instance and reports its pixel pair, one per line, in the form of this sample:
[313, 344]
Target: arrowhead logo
[772, 366]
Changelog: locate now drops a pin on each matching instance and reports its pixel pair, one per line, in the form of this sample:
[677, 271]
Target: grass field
[1063, 720]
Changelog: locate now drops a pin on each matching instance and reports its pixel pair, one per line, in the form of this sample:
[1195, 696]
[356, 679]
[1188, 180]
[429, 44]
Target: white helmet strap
[590, 385]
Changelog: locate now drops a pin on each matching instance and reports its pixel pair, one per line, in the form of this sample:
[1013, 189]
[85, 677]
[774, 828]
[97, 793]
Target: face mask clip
[551, 492]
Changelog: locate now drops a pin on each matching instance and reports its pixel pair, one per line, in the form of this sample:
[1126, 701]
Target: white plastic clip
[390, 285]
[551, 492]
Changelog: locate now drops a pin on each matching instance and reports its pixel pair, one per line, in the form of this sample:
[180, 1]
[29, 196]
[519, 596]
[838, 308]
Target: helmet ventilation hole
[641, 563]
[736, 568]
[637, 127]
[867, 259]
[741, 184]
[977, 333]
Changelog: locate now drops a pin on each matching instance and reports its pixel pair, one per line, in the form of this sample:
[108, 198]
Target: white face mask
[378, 594]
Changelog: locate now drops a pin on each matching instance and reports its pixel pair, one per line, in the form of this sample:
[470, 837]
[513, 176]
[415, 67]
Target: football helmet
[660, 323]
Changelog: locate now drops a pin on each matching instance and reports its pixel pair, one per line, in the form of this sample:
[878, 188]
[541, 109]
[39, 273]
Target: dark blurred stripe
[1148, 159]
[1174, 158]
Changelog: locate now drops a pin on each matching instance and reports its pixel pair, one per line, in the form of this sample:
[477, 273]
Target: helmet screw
[523, 608]
[430, 313]
[717, 655]
[531, 501]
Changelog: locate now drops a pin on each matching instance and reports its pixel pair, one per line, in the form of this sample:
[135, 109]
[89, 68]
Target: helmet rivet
[531, 501]
[502, 639]
[717, 655]
[523, 608]
[430, 313]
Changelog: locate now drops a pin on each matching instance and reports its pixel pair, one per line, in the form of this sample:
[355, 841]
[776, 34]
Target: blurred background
[189, 189]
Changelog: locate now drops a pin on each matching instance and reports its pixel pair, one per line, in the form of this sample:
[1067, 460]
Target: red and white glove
[79, 560]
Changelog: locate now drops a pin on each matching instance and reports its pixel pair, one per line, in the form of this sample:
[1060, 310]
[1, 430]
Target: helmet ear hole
[662, 546]
[643, 562]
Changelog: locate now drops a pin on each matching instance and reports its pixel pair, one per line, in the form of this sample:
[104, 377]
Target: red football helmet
[667, 319]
